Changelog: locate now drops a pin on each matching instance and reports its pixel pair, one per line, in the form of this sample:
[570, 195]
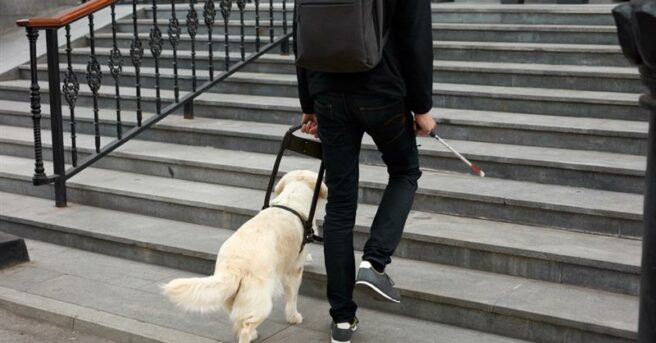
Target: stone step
[527, 14]
[251, 170]
[591, 78]
[569, 54]
[164, 12]
[252, 84]
[558, 102]
[579, 209]
[618, 136]
[509, 52]
[448, 13]
[144, 25]
[576, 77]
[568, 34]
[565, 34]
[36, 291]
[124, 40]
[273, 62]
[549, 101]
[471, 299]
[580, 168]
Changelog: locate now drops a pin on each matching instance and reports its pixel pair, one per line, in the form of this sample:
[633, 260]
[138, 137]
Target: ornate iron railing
[70, 87]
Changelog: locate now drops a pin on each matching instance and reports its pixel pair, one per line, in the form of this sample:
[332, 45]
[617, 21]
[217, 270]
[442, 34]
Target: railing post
[39, 177]
[209, 14]
[156, 44]
[284, 47]
[636, 24]
[56, 125]
[189, 110]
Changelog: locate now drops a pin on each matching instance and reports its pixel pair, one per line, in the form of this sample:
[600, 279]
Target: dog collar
[289, 209]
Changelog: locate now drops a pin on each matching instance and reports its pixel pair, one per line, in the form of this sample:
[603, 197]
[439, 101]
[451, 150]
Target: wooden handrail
[67, 17]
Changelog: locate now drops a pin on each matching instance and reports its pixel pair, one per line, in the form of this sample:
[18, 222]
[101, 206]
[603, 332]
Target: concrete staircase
[545, 249]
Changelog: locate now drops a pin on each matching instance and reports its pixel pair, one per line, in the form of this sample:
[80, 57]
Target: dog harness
[308, 148]
[308, 231]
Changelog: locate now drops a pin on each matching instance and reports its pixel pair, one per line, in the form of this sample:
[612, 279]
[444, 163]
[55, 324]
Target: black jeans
[343, 119]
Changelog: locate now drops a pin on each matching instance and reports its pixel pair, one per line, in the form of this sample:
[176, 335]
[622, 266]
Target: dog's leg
[251, 307]
[248, 332]
[291, 284]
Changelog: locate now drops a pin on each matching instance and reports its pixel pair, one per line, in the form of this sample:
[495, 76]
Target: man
[340, 108]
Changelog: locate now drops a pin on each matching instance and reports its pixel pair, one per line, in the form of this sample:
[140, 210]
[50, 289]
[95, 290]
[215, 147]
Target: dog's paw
[254, 335]
[294, 318]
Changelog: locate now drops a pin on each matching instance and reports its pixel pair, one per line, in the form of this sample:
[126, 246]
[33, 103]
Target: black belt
[308, 231]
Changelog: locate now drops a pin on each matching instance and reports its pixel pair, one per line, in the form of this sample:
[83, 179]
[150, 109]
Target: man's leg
[393, 132]
[341, 137]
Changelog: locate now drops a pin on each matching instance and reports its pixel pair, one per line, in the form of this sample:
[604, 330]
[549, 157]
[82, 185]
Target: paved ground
[17, 329]
[120, 299]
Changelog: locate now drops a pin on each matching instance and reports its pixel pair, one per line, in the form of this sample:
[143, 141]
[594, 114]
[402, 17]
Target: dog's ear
[310, 178]
[295, 175]
[281, 184]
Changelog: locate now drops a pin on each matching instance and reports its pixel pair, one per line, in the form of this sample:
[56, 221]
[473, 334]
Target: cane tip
[478, 171]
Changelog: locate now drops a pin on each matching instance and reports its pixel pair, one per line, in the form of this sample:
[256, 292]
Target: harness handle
[309, 148]
[309, 231]
[286, 140]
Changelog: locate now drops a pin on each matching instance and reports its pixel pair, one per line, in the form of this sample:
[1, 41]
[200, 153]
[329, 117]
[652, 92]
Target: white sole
[372, 287]
[332, 340]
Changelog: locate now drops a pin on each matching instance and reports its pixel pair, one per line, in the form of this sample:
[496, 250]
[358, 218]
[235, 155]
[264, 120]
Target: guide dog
[263, 256]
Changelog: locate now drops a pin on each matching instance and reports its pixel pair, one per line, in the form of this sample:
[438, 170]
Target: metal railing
[70, 88]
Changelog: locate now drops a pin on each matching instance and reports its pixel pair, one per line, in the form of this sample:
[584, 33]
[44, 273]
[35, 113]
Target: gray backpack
[339, 36]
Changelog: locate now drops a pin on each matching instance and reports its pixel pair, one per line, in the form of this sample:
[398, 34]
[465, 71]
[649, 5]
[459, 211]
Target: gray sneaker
[342, 332]
[380, 285]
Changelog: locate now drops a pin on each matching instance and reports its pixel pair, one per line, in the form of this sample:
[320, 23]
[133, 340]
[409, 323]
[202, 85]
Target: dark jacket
[406, 69]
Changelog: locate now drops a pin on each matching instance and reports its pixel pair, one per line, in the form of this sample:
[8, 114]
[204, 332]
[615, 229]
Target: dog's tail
[206, 294]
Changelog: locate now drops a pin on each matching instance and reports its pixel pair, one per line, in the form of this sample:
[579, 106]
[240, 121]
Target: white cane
[473, 167]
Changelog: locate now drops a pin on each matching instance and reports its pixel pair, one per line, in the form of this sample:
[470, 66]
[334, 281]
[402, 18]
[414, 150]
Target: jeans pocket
[386, 122]
[322, 109]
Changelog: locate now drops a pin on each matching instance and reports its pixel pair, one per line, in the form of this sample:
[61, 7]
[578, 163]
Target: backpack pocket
[334, 36]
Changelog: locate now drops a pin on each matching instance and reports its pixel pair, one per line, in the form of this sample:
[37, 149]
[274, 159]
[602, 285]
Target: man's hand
[310, 125]
[424, 124]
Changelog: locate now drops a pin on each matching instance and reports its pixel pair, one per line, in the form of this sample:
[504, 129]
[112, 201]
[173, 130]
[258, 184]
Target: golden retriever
[256, 261]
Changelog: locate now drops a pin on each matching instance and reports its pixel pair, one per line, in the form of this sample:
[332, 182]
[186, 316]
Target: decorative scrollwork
[226, 7]
[156, 42]
[192, 20]
[115, 63]
[71, 88]
[136, 51]
[209, 12]
[174, 31]
[94, 75]
[241, 4]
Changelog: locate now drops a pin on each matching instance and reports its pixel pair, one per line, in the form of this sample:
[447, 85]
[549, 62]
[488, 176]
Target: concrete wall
[27, 7]
[11, 10]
